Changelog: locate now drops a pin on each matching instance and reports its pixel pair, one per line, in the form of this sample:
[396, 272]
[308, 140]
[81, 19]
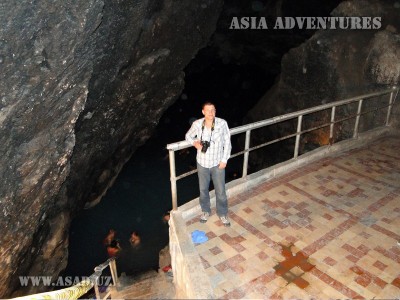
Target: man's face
[209, 112]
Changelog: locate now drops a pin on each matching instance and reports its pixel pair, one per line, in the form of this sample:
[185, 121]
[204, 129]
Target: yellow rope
[73, 292]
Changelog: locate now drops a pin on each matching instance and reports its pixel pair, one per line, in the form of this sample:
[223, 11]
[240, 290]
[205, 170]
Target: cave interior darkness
[234, 82]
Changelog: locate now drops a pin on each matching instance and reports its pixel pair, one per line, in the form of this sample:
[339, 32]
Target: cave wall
[333, 65]
[83, 84]
[265, 48]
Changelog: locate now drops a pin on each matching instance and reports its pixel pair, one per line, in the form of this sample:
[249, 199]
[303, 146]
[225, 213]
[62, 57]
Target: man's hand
[222, 165]
[197, 145]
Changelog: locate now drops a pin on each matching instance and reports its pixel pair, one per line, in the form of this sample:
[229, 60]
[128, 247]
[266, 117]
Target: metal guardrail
[76, 291]
[392, 92]
[97, 273]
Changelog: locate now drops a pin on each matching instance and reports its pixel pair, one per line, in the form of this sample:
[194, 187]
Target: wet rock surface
[332, 65]
[83, 84]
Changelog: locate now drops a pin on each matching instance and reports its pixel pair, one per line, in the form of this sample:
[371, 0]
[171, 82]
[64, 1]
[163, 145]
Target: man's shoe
[204, 217]
[225, 221]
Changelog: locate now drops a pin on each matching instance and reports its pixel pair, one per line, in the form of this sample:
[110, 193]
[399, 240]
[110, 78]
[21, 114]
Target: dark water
[136, 202]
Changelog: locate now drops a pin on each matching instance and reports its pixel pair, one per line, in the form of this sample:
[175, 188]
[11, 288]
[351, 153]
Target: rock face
[332, 65]
[264, 47]
[83, 84]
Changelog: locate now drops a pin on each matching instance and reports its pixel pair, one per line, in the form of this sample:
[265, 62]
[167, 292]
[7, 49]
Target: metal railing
[392, 92]
[76, 291]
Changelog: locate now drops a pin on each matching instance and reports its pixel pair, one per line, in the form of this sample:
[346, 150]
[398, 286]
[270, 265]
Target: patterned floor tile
[329, 230]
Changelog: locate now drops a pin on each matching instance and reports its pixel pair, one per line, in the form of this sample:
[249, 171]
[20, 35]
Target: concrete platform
[329, 230]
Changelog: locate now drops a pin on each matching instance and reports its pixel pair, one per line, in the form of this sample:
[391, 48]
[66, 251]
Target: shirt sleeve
[227, 145]
[192, 133]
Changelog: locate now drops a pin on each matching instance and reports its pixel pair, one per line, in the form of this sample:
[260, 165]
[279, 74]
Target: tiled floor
[327, 231]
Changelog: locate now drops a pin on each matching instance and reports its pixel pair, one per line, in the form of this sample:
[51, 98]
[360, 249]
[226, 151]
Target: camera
[205, 145]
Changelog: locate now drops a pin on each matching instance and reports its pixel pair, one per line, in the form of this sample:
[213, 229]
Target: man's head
[208, 110]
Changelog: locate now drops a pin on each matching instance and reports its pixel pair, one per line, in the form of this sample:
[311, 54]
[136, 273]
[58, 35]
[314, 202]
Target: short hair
[207, 103]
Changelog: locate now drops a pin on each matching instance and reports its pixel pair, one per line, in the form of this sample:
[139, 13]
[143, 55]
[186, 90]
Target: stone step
[150, 285]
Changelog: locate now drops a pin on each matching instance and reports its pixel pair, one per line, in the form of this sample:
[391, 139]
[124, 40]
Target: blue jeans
[218, 177]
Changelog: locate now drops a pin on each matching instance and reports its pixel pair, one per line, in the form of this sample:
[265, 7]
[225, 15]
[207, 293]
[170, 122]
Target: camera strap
[202, 129]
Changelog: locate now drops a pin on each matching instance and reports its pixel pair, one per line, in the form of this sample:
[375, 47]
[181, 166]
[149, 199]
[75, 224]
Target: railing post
[96, 288]
[113, 269]
[246, 154]
[173, 179]
[389, 109]
[355, 133]
[296, 147]
[332, 126]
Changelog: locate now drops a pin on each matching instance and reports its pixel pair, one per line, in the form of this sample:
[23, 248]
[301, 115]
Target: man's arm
[227, 145]
[191, 136]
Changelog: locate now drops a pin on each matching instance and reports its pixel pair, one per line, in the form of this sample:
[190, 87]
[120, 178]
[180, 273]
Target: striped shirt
[220, 145]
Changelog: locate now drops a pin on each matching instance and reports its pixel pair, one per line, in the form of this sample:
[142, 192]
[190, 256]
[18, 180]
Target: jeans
[218, 177]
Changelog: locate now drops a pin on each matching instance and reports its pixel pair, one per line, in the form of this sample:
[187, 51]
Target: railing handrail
[82, 287]
[299, 114]
[243, 128]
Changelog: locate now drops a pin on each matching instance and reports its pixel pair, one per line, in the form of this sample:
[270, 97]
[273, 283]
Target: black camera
[205, 145]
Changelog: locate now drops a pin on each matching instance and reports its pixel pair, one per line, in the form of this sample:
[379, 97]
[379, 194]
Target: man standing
[212, 139]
